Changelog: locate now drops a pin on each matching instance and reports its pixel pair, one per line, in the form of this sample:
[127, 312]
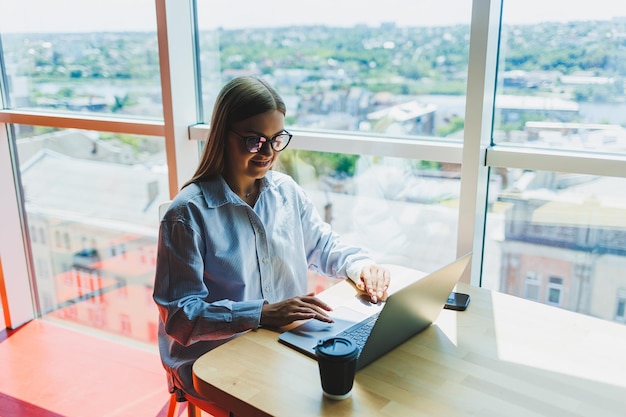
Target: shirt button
[267, 289]
[264, 260]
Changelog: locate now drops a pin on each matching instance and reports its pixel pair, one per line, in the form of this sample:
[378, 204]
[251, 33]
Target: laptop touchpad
[305, 336]
[343, 317]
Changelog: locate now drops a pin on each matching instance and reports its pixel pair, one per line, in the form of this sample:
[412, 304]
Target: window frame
[532, 280]
[182, 129]
[554, 283]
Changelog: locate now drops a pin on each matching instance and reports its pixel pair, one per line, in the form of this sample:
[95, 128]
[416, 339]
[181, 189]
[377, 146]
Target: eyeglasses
[254, 144]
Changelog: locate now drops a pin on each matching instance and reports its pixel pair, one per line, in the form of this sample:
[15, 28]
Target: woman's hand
[375, 282]
[296, 308]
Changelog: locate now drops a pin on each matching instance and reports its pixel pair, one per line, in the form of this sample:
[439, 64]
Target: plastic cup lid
[337, 347]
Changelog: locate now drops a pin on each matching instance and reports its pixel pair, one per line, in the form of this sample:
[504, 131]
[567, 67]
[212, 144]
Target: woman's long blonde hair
[240, 99]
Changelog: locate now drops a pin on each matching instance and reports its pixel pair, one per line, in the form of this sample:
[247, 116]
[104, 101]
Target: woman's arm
[180, 292]
[329, 256]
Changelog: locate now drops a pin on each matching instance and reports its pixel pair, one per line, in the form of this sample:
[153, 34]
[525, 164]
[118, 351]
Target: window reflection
[404, 211]
[559, 239]
[97, 217]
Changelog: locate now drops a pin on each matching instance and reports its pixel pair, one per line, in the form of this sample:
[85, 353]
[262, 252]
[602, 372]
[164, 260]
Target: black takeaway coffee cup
[336, 358]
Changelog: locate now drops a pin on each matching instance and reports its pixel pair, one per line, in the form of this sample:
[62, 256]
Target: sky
[91, 15]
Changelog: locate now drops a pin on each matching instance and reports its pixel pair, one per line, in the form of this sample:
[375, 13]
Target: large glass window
[384, 86]
[404, 211]
[394, 72]
[96, 59]
[560, 239]
[398, 69]
[91, 201]
[562, 74]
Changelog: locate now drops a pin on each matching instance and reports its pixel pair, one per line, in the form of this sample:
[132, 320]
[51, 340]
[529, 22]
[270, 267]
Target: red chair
[195, 407]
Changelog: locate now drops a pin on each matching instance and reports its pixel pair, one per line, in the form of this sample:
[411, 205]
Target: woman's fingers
[296, 308]
[375, 281]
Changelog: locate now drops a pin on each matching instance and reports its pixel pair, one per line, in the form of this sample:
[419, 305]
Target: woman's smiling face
[240, 164]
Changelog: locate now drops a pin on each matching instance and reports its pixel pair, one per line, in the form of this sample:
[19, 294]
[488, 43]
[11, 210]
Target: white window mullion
[602, 164]
[481, 78]
[176, 57]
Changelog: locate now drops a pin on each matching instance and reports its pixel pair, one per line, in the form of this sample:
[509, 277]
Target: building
[93, 245]
[410, 118]
[566, 246]
[512, 109]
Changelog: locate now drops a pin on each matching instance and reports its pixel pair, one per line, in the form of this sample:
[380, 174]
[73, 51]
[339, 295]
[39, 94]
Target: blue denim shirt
[219, 260]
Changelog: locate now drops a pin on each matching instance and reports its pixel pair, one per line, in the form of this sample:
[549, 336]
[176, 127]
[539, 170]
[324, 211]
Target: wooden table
[502, 357]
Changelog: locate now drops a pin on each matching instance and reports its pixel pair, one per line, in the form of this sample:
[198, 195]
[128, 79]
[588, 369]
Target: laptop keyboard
[360, 331]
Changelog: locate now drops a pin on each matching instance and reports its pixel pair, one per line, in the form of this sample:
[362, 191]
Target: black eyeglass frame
[257, 143]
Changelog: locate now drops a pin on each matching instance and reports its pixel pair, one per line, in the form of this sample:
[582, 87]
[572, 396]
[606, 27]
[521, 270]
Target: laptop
[406, 312]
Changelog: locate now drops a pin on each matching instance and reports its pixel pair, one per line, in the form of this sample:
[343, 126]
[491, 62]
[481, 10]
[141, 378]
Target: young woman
[237, 241]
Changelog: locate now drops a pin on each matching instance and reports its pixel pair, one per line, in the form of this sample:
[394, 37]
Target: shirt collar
[216, 191]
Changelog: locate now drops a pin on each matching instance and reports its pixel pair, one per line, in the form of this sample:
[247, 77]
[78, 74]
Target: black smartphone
[457, 301]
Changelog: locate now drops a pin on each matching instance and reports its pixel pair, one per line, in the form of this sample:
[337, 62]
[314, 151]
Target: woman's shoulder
[188, 194]
[188, 200]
